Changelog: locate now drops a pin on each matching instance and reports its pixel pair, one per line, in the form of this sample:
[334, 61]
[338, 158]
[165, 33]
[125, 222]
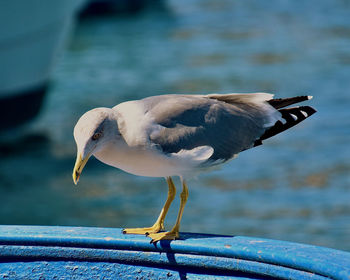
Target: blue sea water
[295, 187]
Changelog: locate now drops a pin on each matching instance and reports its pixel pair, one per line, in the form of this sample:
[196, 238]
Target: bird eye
[96, 136]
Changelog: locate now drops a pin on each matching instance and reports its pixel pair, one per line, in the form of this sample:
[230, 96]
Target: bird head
[94, 129]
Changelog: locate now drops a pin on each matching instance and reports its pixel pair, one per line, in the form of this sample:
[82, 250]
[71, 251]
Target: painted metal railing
[45, 252]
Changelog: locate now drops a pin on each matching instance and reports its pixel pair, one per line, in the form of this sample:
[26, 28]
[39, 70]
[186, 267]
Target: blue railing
[34, 252]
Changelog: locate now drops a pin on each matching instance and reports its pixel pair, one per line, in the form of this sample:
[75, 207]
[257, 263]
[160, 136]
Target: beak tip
[75, 178]
[78, 167]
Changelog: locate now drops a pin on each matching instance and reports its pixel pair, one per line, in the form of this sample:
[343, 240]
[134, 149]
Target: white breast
[135, 154]
[142, 162]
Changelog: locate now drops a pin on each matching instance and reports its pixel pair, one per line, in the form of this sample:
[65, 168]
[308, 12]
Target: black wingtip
[290, 118]
[279, 103]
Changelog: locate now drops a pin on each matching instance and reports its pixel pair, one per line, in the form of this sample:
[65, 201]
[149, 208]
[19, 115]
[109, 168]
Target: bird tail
[290, 116]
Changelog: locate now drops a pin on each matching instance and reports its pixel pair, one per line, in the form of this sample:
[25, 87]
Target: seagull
[180, 135]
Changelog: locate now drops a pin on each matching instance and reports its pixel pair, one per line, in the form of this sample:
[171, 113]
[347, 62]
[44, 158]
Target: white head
[93, 130]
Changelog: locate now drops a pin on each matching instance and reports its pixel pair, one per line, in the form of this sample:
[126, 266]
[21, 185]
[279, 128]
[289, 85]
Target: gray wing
[188, 121]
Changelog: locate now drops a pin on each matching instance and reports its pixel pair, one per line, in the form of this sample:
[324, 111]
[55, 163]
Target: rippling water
[295, 187]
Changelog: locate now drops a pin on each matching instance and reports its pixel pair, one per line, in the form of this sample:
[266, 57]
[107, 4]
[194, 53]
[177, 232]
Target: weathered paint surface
[37, 252]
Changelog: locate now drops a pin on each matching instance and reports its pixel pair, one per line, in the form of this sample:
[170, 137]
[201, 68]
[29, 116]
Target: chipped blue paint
[94, 253]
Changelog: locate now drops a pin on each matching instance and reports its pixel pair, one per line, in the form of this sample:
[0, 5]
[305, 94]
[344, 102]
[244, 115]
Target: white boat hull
[32, 34]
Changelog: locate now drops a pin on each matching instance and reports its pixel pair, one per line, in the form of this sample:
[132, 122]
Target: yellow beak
[78, 167]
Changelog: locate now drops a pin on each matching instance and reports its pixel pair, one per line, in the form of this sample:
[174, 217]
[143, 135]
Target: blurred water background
[295, 187]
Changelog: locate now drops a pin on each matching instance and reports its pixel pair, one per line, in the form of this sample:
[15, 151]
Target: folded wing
[228, 124]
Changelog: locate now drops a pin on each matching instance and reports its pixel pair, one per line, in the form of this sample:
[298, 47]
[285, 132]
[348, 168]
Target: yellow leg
[159, 224]
[174, 232]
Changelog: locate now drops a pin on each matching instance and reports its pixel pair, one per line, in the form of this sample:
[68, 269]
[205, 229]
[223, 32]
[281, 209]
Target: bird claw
[146, 230]
[168, 235]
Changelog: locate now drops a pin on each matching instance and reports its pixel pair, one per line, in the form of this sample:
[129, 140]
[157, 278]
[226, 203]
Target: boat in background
[32, 34]
[105, 7]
